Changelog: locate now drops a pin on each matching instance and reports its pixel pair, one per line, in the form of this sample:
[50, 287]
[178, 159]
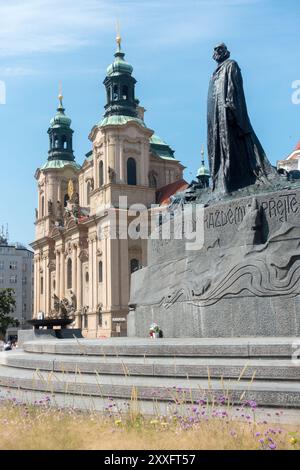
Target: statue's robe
[236, 157]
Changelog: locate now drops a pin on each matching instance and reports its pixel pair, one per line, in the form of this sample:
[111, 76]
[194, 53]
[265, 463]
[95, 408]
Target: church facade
[80, 260]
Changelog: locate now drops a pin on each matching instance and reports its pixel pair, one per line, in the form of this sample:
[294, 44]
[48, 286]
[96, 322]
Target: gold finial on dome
[60, 95]
[118, 38]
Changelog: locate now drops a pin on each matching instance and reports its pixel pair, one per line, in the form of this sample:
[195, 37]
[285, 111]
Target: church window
[152, 181]
[131, 171]
[101, 178]
[85, 321]
[134, 265]
[100, 271]
[87, 277]
[125, 92]
[56, 141]
[64, 142]
[116, 93]
[42, 285]
[69, 274]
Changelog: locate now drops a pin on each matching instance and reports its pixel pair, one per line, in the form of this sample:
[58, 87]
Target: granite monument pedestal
[244, 281]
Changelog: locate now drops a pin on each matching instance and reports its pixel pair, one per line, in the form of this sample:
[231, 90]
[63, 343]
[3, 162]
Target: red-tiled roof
[297, 146]
[164, 194]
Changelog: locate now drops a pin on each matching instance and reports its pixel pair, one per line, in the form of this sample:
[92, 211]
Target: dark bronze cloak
[236, 157]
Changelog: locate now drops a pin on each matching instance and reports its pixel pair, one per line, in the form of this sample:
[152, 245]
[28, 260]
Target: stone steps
[157, 371]
[266, 369]
[166, 347]
[266, 393]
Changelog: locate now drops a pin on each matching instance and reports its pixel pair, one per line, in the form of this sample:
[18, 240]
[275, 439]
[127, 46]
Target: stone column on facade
[57, 274]
[121, 161]
[62, 274]
[36, 284]
[95, 275]
[91, 284]
[79, 283]
[47, 285]
[145, 164]
[74, 268]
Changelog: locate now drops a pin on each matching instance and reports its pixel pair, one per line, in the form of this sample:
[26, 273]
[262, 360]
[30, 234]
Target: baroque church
[77, 261]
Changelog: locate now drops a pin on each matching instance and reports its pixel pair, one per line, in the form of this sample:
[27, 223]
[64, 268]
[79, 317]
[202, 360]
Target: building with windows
[16, 272]
[79, 256]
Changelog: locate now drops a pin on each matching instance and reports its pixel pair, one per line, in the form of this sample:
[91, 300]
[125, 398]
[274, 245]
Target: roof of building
[160, 148]
[163, 195]
[119, 120]
[58, 164]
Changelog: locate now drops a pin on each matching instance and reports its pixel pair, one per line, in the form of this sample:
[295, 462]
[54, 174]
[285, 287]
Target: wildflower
[154, 422]
[118, 422]
[293, 441]
[272, 446]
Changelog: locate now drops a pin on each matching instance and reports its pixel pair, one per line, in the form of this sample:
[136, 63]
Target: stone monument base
[243, 281]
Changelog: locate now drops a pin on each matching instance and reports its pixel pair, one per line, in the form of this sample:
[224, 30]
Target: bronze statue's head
[221, 53]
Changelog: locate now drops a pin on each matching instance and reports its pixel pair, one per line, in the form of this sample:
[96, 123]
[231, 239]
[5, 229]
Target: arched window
[56, 143]
[66, 198]
[88, 192]
[100, 271]
[152, 180]
[87, 277]
[64, 142]
[134, 265]
[42, 285]
[69, 274]
[131, 171]
[101, 178]
[125, 92]
[43, 206]
[116, 93]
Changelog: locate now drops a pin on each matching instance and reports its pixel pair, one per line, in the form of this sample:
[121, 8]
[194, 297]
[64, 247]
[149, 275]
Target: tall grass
[46, 426]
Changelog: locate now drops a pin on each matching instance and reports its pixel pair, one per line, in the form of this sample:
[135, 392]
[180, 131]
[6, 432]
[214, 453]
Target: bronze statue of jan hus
[236, 157]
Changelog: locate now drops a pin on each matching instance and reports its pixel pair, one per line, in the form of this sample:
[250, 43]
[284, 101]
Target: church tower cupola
[120, 87]
[60, 135]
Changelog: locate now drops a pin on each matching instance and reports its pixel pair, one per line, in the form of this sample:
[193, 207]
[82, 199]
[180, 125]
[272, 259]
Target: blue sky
[169, 43]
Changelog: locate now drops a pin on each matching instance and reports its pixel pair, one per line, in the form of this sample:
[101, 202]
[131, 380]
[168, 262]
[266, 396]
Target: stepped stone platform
[160, 371]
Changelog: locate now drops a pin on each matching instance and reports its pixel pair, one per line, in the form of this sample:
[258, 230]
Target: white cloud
[36, 26]
[16, 71]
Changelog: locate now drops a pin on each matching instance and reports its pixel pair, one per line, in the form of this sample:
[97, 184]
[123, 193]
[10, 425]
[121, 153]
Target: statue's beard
[221, 56]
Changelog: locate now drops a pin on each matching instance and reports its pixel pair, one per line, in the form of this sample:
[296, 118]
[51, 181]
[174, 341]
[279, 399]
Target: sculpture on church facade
[236, 157]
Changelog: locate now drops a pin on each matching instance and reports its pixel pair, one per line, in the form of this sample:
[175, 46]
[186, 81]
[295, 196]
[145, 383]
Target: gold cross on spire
[118, 38]
[60, 95]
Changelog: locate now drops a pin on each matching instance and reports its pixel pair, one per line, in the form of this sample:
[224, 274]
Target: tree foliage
[7, 304]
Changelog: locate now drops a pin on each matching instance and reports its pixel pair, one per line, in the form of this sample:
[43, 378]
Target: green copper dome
[203, 171]
[119, 65]
[60, 119]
